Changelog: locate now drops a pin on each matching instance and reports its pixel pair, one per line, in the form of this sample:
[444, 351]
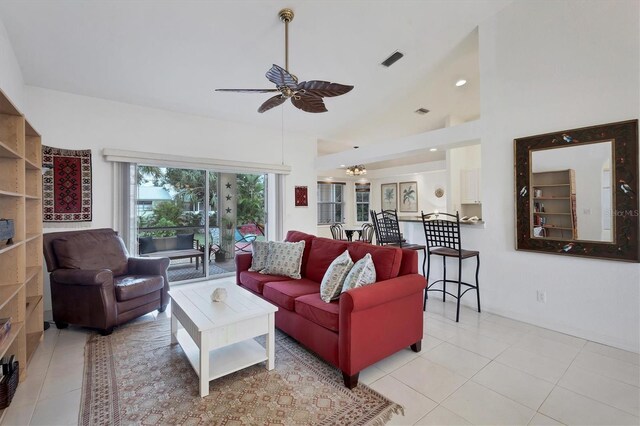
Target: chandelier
[356, 170]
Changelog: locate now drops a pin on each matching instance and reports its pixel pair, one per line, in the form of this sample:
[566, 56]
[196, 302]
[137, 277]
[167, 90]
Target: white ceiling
[172, 54]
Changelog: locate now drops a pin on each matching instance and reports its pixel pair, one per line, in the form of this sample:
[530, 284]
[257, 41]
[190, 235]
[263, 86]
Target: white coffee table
[217, 337]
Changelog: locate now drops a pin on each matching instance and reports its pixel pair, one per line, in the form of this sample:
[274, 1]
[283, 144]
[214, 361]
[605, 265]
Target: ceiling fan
[306, 95]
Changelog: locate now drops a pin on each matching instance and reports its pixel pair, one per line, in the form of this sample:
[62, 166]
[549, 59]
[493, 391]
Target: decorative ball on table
[219, 294]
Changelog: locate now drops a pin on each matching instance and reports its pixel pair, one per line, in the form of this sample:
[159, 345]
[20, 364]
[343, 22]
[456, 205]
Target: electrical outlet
[541, 296]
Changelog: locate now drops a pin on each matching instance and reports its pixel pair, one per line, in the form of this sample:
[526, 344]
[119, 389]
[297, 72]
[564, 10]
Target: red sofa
[366, 324]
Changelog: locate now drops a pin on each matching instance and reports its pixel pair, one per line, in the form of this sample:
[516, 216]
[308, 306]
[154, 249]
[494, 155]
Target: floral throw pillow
[362, 273]
[260, 251]
[333, 279]
[284, 259]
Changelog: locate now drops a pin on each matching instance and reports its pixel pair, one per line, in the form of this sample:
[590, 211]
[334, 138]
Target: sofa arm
[87, 277]
[243, 263]
[378, 320]
[153, 266]
[382, 292]
[148, 265]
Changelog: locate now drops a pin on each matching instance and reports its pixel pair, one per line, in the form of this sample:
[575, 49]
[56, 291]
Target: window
[330, 203]
[362, 202]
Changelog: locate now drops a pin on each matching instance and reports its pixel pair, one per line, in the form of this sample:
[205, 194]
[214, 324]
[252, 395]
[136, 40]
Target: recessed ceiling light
[343, 165]
[461, 82]
[433, 149]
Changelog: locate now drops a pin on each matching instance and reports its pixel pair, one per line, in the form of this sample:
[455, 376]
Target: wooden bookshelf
[553, 205]
[21, 280]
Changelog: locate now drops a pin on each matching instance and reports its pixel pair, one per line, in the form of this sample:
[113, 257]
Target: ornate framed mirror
[577, 192]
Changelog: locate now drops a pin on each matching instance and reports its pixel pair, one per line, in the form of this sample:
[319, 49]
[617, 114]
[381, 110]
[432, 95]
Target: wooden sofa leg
[162, 308]
[350, 381]
[60, 325]
[417, 346]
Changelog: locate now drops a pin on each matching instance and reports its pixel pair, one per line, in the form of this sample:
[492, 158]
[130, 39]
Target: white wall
[11, 81]
[549, 66]
[79, 122]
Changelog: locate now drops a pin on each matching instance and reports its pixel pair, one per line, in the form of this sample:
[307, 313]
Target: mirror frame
[625, 246]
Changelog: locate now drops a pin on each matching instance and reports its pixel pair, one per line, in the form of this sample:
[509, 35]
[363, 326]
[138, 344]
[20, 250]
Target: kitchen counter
[418, 219]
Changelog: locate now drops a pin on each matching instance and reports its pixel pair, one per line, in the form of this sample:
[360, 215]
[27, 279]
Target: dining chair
[442, 232]
[366, 235]
[337, 232]
[387, 230]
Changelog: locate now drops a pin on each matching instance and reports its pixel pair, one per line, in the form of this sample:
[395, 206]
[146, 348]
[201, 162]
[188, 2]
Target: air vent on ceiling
[421, 111]
[395, 56]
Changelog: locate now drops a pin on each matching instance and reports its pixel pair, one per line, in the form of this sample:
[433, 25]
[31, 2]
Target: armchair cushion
[91, 251]
[148, 265]
[131, 286]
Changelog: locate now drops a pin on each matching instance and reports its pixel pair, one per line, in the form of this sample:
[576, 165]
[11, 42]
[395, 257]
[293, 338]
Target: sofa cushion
[256, 281]
[284, 293]
[385, 258]
[331, 285]
[296, 236]
[146, 245]
[323, 252]
[362, 273]
[131, 286]
[92, 251]
[259, 255]
[284, 258]
[185, 241]
[313, 308]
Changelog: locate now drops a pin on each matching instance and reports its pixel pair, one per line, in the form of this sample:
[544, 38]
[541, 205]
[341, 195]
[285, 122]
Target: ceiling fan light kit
[307, 95]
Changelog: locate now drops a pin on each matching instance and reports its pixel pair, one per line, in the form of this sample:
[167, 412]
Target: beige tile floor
[484, 370]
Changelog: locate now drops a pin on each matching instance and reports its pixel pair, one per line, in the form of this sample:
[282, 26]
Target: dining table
[348, 232]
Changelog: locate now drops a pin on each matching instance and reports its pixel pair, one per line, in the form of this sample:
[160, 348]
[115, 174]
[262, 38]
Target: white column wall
[548, 66]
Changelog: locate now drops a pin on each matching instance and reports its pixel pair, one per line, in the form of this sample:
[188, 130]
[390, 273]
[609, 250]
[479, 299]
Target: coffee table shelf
[225, 360]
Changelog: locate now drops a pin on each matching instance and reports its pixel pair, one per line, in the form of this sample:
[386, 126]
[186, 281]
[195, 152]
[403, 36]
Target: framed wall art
[389, 196]
[301, 196]
[408, 196]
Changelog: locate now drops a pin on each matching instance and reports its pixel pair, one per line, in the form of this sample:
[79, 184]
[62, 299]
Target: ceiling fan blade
[308, 102]
[280, 77]
[247, 90]
[324, 88]
[272, 103]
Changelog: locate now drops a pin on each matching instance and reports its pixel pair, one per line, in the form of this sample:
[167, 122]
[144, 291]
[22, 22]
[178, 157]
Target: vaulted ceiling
[172, 54]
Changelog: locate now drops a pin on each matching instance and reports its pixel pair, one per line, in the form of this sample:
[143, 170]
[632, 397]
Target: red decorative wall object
[301, 196]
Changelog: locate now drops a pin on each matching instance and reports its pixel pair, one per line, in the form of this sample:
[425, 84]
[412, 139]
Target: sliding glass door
[200, 219]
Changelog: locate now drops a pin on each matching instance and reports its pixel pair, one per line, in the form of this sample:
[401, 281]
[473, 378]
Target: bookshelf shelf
[558, 219]
[21, 286]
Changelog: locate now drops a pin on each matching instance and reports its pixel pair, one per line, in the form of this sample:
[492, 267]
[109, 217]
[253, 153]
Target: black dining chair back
[442, 230]
[387, 229]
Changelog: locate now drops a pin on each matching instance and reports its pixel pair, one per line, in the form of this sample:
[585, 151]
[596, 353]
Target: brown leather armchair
[94, 282]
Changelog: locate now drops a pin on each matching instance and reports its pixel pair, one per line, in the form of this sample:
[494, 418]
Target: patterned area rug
[135, 376]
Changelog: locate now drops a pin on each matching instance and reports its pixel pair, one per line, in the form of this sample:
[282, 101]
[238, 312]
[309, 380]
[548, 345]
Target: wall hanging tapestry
[301, 196]
[66, 185]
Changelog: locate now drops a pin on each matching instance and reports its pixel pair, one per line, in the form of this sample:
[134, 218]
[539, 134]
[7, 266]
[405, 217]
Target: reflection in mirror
[571, 197]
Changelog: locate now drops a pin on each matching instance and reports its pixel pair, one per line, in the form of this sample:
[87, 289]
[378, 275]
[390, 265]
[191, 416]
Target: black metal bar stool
[387, 230]
[443, 239]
